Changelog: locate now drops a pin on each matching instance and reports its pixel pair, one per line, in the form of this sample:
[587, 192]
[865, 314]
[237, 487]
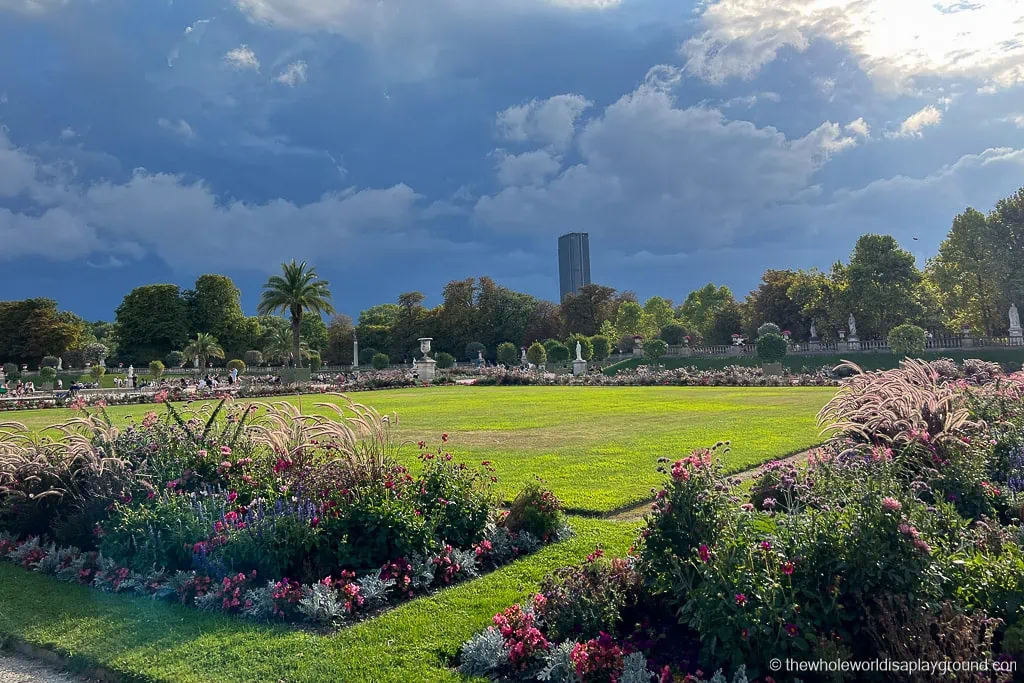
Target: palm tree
[296, 291]
[204, 346]
[279, 346]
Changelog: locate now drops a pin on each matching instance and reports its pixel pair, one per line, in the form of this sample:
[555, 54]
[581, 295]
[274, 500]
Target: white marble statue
[814, 331]
[579, 351]
[60, 363]
[1014, 317]
[524, 361]
[195, 362]
[131, 371]
[852, 323]
[480, 356]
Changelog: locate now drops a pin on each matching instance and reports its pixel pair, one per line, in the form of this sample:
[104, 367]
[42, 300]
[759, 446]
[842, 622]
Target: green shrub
[96, 372]
[768, 328]
[771, 347]
[48, 362]
[253, 358]
[536, 511]
[602, 346]
[156, 533]
[236, 364]
[444, 360]
[508, 354]
[582, 602]
[536, 354]
[586, 346]
[558, 353]
[156, 369]
[273, 546]
[473, 349]
[174, 359]
[48, 374]
[456, 500]
[366, 355]
[11, 371]
[655, 349]
[673, 334]
[907, 340]
[315, 361]
[380, 361]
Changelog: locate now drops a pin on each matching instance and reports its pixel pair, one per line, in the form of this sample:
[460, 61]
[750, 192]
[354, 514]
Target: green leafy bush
[536, 511]
[47, 374]
[537, 354]
[381, 361]
[48, 362]
[771, 347]
[444, 360]
[602, 347]
[586, 346]
[236, 364]
[768, 328]
[558, 353]
[156, 533]
[96, 372]
[156, 369]
[655, 349]
[473, 350]
[315, 361]
[508, 354]
[456, 500]
[907, 340]
[174, 359]
[253, 358]
[673, 334]
[11, 371]
[580, 603]
[366, 355]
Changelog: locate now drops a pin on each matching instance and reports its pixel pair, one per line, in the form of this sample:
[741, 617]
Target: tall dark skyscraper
[573, 262]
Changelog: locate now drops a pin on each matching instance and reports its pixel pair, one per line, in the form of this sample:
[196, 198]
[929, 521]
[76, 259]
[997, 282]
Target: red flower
[792, 630]
[705, 554]
[788, 568]
[741, 599]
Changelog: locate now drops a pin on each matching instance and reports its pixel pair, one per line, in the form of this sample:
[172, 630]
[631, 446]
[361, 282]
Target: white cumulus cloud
[242, 58]
[895, 42]
[550, 122]
[181, 128]
[914, 125]
[293, 75]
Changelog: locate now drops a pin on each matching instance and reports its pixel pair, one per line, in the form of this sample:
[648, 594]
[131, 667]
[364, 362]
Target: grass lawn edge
[128, 638]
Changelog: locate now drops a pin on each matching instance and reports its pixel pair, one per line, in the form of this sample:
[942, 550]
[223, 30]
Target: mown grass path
[595, 447]
[143, 640]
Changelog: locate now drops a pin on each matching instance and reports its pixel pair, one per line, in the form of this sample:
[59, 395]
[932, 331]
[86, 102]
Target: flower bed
[900, 541]
[281, 517]
[735, 376]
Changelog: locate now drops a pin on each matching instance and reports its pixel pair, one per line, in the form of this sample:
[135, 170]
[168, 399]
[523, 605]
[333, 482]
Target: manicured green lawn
[152, 641]
[595, 447]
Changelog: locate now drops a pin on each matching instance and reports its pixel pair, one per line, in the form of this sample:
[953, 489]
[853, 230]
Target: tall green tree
[659, 313]
[964, 274]
[698, 310]
[339, 340]
[584, 311]
[1006, 225]
[631, 319]
[881, 286]
[502, 314]
[203, 347]
[314, 332]
[215, 307]
[33, 328]
[297, 291]
[409, 326]
[152, 321]
[771, 302]
[456, 318]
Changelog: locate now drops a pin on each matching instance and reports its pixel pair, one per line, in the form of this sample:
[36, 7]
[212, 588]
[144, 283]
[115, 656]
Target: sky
[400, 144]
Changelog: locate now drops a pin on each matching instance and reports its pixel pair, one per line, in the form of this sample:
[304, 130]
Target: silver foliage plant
[558, 665]
[320, 604]
[483, 654]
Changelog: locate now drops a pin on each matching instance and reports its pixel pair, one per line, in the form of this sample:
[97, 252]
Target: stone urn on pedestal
[427, 367]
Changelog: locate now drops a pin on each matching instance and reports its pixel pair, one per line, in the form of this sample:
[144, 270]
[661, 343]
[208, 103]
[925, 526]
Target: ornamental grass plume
[896, 407]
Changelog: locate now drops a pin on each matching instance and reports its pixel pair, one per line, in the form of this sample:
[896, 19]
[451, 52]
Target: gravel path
[17, 669]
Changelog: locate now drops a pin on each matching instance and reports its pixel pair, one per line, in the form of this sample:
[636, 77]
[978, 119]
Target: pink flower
[225, 450]
[792, 630]
[202, 454]
[766, 545]
[891, 504]
[232, 497]
[788, 568]
[741, 599]
[705, 554]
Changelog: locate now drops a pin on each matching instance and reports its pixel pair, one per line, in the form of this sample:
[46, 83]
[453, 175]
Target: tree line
[969, 284]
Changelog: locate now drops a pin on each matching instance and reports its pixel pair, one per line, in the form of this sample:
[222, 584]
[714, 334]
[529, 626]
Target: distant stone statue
[131, 371]
[814, 331]
[524, 361]
[579, 351]
[195, 362]
[852, 322]
[1014, 317]
[60, 363]
[480, 356]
